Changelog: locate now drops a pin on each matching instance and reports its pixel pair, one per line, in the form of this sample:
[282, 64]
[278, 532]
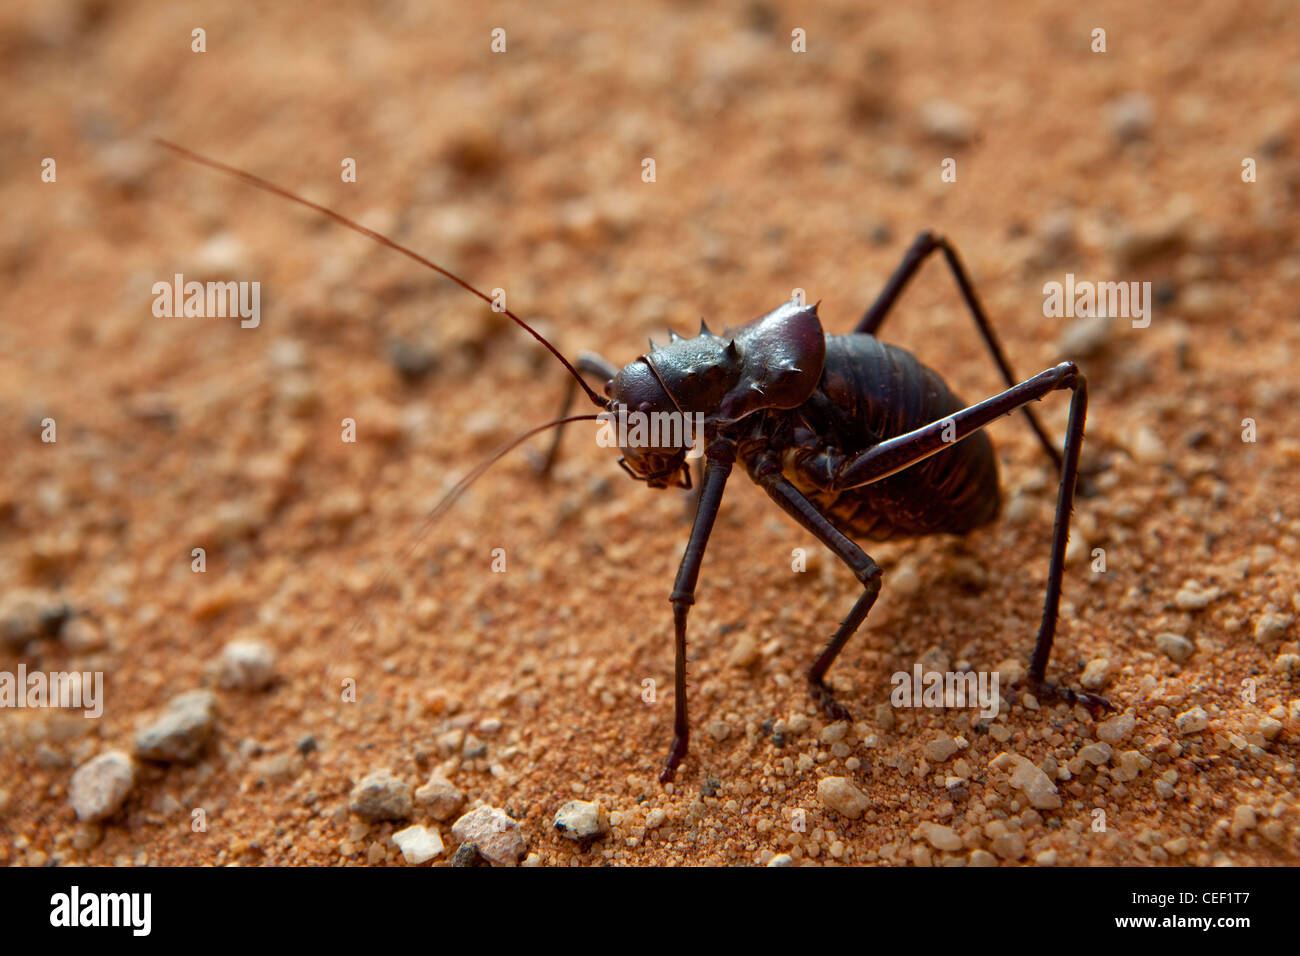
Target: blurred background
[774, 169]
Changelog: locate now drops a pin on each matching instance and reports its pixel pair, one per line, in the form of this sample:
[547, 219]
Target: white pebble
[418, 844]
[840, 795]
[582, 820]
[247, 664]
[495, 834]
[100, 786]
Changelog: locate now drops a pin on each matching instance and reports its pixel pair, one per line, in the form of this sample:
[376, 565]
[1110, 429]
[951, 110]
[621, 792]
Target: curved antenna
[271, 187]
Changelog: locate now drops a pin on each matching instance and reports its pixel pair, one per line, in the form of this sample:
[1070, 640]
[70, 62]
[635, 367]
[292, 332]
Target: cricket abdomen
[870, 392]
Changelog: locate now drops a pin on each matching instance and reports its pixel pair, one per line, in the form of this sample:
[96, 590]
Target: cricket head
[650, 427]
[709, 381]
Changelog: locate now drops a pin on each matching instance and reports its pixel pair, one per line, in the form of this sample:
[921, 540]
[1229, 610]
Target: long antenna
[271, 187]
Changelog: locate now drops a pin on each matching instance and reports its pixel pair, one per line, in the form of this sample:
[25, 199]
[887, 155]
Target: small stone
[1287, 664]
[1035, 784]
[905, 580]
[947, 122]
[582, 820]
[982, 858]
[798, 723]
[1243, 819]
[411, 360]
[840, 795]
[1148, 448]
[81, 635]
[1096, 754]
[1009, 846]
[27, 614]
[1117, 729]
[1178, 846]
[1046, 858]
[418, 844]
[884, 717]
[655, 818]
[940, 837]
[1270, 627]
[181, 733]
[937, 751]
[1192, 721]
[1010, 672]
[440, 797]
[1175, 647]
[719, 730]
[745, 652]
[834, 733]
[1096, 674]
[1191, 598]
[781, 859]
[246, 664]
[100, 786]
[1270, 727]
[473, 748]
[279, 768]
[495, 834]
[1131, 117]
[381, 796]
[467, 854]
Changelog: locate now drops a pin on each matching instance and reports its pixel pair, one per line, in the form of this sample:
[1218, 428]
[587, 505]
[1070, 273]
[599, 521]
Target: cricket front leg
[719, 457]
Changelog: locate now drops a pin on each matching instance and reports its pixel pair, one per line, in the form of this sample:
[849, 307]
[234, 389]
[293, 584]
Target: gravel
[940, 837]
[493, 832]
[246, 664]
[1117, 729]
[1175, 647]
[582, 820]
[1192, 597]
[27, 614]
[1096, 674]
[440, 797]
[937, 751]
[1271, 626]
[418, 844]
[183, 730]
[1030, 779]
[100, 786]
[947, 122]
[381, 796]
[840, 795]
[467, 854]
[1192, 721]
[1096, 754]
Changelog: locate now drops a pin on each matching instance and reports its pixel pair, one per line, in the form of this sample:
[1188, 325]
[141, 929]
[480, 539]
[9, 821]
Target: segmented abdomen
[869, 392]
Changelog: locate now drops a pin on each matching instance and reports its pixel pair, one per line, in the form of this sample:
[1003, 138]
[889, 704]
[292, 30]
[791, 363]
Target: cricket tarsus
[270, 187]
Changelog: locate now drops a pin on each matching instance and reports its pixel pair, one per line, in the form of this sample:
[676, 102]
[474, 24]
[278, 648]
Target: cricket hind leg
[859, 562]
[921, 249]
[897, 454]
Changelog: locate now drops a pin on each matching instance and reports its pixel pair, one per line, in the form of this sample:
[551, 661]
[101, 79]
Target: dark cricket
[848, 435]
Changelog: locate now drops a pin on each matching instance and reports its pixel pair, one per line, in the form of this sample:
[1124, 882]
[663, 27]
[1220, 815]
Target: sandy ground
[524, 170]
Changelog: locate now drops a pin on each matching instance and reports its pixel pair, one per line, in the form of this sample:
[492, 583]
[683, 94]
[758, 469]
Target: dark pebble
[467, 854]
